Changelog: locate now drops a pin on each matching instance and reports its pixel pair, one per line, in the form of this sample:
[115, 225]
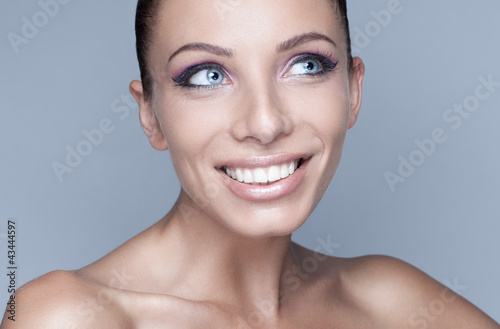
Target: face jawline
[334, 169]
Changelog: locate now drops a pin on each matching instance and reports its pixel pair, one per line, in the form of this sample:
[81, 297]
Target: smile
[264, 178]
[263, 175]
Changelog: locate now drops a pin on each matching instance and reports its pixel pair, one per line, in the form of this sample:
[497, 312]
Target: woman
[253, 100]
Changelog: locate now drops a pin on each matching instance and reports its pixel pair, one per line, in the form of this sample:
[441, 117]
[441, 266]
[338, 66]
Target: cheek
[324, 113]
[191, 130]
[323, 108]
[331, 122]
[185, 125]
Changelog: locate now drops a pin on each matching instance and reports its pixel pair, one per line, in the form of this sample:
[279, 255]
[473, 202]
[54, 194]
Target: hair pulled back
[146, 21]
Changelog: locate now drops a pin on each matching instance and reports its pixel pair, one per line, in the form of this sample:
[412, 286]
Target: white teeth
[262, 175]
[259, 176]
[274, 174]
[248, 176]
[292, 167]
[239, 175]
[284, 171]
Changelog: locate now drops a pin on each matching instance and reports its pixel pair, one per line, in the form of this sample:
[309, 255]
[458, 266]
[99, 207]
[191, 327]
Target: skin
[219, 261]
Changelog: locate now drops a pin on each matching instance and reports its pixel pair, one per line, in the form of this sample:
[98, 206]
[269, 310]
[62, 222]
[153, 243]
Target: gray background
[72, 74]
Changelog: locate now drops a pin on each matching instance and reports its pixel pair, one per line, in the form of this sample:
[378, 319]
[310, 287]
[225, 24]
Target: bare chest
[166, 313]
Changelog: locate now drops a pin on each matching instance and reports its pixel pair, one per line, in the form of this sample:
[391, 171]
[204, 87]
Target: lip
[267, 192]
[265, 161]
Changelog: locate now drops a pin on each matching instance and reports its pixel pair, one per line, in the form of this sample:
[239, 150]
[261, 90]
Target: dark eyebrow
[284, 46]
[200, 46]
[301, 39]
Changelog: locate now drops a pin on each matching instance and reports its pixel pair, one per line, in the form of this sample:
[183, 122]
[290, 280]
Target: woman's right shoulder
[61, 300]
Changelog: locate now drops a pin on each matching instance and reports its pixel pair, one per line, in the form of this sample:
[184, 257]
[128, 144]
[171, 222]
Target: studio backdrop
[418, 180]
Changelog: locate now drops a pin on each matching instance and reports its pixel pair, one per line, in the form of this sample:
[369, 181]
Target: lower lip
[267, 192]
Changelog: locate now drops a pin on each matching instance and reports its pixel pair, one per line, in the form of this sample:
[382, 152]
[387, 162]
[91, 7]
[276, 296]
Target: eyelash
[182, 80]
[327, 65]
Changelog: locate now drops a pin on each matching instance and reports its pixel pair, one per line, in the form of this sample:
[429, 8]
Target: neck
[215, 264]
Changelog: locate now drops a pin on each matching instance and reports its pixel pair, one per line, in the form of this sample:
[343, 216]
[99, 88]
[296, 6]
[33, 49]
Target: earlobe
[149, 121]
[356, 90]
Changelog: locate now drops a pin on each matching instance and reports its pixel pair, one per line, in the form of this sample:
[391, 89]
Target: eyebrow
[301, 39]
[282, 47]
[200, 46]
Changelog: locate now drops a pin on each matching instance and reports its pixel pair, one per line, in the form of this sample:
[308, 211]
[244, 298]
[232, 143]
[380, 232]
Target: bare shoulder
[398, 295]
[62, 299]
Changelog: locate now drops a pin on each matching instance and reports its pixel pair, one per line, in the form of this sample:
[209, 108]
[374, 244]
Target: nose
[262, 117]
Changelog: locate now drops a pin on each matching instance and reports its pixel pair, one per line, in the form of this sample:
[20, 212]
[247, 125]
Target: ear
[149, 121]
[356, 89]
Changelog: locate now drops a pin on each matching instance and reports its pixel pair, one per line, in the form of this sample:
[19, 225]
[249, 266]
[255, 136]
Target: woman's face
[248, 89]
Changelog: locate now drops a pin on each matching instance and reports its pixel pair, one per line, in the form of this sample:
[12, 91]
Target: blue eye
[309, 66]
[207, 77]
[203, 76]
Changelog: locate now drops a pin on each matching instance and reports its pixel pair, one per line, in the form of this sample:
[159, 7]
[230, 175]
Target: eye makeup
[182, 79]
[325, 62]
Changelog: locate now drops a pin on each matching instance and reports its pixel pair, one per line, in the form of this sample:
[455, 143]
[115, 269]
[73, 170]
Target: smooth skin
[220, 261]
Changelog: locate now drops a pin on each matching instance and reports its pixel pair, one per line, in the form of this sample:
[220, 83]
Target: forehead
[244, 24]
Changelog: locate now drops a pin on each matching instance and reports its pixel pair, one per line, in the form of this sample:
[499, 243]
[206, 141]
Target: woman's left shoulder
[400, 295]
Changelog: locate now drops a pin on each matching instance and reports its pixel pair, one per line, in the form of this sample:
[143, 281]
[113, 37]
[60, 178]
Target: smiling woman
[254, 108]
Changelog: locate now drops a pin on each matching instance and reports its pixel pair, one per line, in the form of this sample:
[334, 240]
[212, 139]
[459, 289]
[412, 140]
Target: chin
[261, 209]
[273, 219]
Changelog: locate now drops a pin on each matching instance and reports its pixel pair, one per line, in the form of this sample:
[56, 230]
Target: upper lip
[263, 161]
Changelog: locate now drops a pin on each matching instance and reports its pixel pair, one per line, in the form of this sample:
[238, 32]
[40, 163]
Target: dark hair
[146, 21]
